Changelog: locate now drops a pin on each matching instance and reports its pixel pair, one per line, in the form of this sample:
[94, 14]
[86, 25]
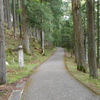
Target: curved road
[52, 82]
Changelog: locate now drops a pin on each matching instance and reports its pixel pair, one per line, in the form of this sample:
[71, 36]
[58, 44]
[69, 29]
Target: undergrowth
[14, 73]
[94, 84]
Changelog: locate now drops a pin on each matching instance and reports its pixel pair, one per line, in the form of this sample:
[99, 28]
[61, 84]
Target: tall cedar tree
[91, 39]
[25, 27]
[2, 46]
[98, 33]
[78, 33]
[14, 17]
[8, 13]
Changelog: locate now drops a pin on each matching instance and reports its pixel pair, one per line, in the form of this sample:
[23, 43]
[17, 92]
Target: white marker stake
[21, 57]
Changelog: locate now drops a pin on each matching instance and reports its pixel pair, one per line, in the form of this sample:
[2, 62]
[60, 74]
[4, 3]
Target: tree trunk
[17, 15]
[26, 38]
[8, 15]
[5, 11]
[42, 40]
[79, 40]
[20, 26]
[91, 39]
[25, 30]
[19, 18]
[38, 36]
[2, 46]
[98, 34]
[14, 17]
[34, 32]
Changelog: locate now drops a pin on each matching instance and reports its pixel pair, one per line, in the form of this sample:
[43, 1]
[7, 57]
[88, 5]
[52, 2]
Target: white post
[43, 41]
[21, 57]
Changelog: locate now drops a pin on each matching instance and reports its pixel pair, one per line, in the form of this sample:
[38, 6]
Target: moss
[81, 68]
[9, 50]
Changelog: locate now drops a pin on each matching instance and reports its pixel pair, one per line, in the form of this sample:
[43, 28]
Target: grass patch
[94, 84]
[14, 72]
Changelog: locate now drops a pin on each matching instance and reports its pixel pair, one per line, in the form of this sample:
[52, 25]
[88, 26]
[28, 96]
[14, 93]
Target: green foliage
[45, 15]
[56, 7]
[39, 15]
[19, 11]
[67, 34]
[49, 37]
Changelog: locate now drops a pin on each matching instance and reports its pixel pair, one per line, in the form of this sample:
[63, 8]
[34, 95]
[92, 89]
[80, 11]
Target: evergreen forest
[40, 26]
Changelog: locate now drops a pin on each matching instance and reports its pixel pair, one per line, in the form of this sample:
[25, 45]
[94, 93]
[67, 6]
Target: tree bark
[8, 15]
[5, 11]
[98, 34]
[26, 45]
[20, 19]
[91, 39]
[14, 17]
[38, 37]
[79, 40]
[42, 40]
[26, 38]
[2, 46]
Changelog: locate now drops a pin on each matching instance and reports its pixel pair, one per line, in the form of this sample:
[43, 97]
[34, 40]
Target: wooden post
[21, 57]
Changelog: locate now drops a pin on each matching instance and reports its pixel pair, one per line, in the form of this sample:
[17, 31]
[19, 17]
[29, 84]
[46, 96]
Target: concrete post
[21, 57]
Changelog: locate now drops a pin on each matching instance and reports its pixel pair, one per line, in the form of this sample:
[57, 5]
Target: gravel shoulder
[52, 82]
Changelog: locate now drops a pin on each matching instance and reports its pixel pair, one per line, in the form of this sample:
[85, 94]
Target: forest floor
[14, 73]
[89, 82]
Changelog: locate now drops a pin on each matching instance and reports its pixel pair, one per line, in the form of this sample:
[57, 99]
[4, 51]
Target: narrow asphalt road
[52, 82]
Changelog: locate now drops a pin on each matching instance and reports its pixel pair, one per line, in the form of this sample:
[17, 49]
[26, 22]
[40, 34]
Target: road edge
[18, 91]
[78, 79]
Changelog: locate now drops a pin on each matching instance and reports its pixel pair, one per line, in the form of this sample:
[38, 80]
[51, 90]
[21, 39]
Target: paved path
[52, 82]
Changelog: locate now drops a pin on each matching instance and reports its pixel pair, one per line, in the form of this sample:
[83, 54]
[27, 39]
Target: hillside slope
[14, 73]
